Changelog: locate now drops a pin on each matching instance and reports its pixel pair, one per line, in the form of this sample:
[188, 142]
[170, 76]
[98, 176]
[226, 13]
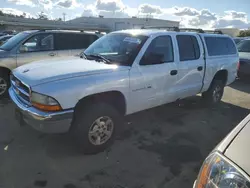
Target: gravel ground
[157, 148]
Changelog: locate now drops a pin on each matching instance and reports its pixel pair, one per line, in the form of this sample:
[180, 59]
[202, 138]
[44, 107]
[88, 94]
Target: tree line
[244, 33]
[40, 16]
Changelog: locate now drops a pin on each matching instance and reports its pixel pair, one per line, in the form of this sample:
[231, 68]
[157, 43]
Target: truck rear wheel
[4, 84]
[215, 92]
[94, 127]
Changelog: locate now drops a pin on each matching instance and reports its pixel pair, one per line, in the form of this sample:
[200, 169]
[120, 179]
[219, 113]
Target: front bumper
[47, 122]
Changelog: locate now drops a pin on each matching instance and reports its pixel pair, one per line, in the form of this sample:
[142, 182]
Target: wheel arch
[115, 98]
[5, 69]
[221, 75]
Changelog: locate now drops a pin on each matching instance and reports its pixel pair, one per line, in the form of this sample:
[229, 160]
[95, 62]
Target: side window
[67, 41]
[63, 41]
[196, 47]
[37, 43]
[159, 51]
[220, 46]
[188, 47]
[231, 47]
[83, 41]
[212, 47]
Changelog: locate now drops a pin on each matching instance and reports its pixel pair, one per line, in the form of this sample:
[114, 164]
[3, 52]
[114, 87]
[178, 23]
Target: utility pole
[64, 15]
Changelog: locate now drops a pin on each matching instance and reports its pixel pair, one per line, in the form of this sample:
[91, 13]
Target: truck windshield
[244, 46]
[13, 41]
[119, 48]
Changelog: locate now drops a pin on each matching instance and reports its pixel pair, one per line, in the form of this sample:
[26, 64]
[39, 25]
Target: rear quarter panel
[217, 63]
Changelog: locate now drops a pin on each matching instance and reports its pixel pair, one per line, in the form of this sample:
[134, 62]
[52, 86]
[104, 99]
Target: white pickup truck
[121, 73]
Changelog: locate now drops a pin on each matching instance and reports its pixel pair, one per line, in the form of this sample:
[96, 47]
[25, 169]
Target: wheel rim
[101, 130]
[217, 93]
[3, 86]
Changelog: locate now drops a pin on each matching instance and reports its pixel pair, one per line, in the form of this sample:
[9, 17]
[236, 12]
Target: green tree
[42, 16]
[244, 33]
[58, 19]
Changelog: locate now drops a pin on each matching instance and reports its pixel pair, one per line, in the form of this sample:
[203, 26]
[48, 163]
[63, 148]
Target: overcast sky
[191, 13]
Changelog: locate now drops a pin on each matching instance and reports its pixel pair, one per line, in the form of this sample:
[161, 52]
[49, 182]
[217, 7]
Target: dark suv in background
[244, 53]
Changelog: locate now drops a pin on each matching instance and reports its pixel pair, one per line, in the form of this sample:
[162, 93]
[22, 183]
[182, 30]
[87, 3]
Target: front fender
[8, 63]
[68, 92]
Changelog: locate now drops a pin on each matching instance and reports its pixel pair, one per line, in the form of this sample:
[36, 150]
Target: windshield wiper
[100, 57]
[83, 55]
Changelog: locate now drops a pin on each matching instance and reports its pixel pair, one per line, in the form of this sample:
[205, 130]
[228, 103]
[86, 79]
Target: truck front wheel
[94, 127]
[215, 92]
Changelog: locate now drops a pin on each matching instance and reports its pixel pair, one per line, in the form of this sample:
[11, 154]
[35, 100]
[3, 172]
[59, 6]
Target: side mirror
[23, 49]
[152, 59]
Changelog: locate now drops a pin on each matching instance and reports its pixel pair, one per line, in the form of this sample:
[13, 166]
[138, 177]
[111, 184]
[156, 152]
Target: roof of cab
[149, 32]
[146, 32]
[60, 31]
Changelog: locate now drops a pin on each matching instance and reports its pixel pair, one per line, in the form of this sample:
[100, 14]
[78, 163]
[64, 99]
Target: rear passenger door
[191, 65]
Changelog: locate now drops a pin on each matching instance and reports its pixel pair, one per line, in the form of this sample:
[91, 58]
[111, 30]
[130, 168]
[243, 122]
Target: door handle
[173, 72]
[200, 68]
[52, 54]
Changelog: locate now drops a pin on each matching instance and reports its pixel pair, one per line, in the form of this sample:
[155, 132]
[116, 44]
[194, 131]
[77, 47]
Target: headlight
[219, 172]
[44, 103]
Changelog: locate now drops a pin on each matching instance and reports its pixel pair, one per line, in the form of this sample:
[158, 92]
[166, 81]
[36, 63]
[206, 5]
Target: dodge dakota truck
[119, 74]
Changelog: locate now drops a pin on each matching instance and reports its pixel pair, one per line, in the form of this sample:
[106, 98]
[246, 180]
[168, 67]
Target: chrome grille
[22, 90]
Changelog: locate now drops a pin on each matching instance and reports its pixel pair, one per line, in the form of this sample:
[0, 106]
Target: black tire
[215, 92]
[84, 119]
[4, 78]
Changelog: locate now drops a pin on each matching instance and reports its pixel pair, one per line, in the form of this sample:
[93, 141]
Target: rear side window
[188, 47]
[220, 46]
[66, 41]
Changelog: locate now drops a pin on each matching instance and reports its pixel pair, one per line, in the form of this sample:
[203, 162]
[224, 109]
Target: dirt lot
[161, 147]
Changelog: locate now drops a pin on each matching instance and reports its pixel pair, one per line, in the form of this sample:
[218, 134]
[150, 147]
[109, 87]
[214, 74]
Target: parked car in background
[228, 165]
[121, 73]
[244, 53]
[4, 38]
[238, 39]
[9, 32]
[29, 46]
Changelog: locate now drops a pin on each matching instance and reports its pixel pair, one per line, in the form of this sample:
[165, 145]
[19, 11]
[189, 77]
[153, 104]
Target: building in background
[92, 24]
[21, 24]
[83, 23]
[115, 24]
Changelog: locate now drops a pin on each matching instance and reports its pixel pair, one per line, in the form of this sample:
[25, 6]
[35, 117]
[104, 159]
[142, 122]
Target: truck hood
[238, 151]
[52, 70]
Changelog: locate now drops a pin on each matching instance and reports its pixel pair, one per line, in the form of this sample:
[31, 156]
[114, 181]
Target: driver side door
[152, 80]
[37, 47]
